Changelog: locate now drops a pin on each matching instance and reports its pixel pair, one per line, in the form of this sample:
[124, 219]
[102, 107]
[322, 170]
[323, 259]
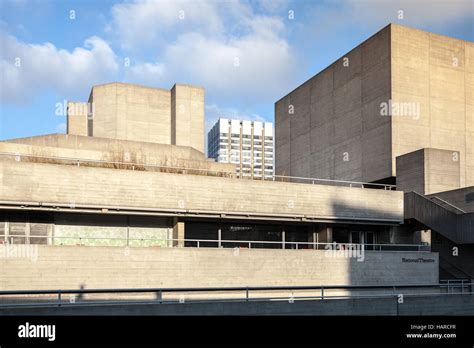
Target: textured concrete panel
[322, 111]
[376, 50]
[131, 112]
[411, 172]
[77, 114]
[442, 170]
[428, 171]
[111, 267]
[344, 103]
[38, 182]
[347, 97]
[187, 116]
[346, 68]
[376, 162]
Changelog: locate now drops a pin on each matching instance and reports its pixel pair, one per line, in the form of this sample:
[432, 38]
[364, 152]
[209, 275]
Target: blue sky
[247, 54]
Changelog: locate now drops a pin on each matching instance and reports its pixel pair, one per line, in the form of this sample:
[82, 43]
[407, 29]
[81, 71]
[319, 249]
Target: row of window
[244, 136]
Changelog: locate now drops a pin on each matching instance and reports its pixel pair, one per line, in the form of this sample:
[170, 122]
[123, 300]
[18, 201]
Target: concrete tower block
[429, 171]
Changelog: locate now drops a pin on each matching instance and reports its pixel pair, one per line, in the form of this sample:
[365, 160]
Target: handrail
[223, 289]
[454, 226]
[223, 173]
[392, 291]
[315, 245]
[445, 260]
[428, 199]
[386, 186]
[434, 198]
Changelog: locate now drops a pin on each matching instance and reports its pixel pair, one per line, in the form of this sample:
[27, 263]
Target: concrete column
[283, 238]
[28, 232]
[329, 235]
[50, 233]
[128, 230]
[53, 230]
[178, 233]
[219, 237]
[7, 230]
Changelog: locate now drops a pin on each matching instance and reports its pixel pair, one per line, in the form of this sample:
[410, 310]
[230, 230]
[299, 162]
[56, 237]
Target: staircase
[449, 270]
[440, 216]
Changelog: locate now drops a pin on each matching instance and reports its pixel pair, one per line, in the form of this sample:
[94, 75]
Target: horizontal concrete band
[103, 187]
[42, 267]
[119, 210]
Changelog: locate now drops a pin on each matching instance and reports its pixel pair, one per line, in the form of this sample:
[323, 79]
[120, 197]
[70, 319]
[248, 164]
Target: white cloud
[274, 5]
[214, 112]
[144, 22]
[248, 57]
[28, 69]
[253, 66]
[146, 73]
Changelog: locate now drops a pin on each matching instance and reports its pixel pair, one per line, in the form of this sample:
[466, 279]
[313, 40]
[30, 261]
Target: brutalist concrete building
[128, 199]
[132, 112]
[397, 109]
[400, 91]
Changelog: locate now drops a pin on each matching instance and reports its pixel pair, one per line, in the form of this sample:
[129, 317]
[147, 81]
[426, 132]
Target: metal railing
[453, 284]
[231, 243]
[199, 171]
[56, 297]
[359, 184]
[446, 205]
[436, 216]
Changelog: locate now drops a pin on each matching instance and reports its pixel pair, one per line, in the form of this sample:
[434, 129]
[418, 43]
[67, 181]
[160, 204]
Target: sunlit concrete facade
[133, 112]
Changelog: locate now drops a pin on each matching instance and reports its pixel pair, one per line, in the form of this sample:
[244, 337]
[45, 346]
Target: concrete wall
[131, 112]
[70, 267]
[101, 144]
[336, 131]
[187, 116]
[411, 172]
[77, 114]
[38, 182]
[111, 150]
[443, 172]
[437, 73]
[428, 171]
